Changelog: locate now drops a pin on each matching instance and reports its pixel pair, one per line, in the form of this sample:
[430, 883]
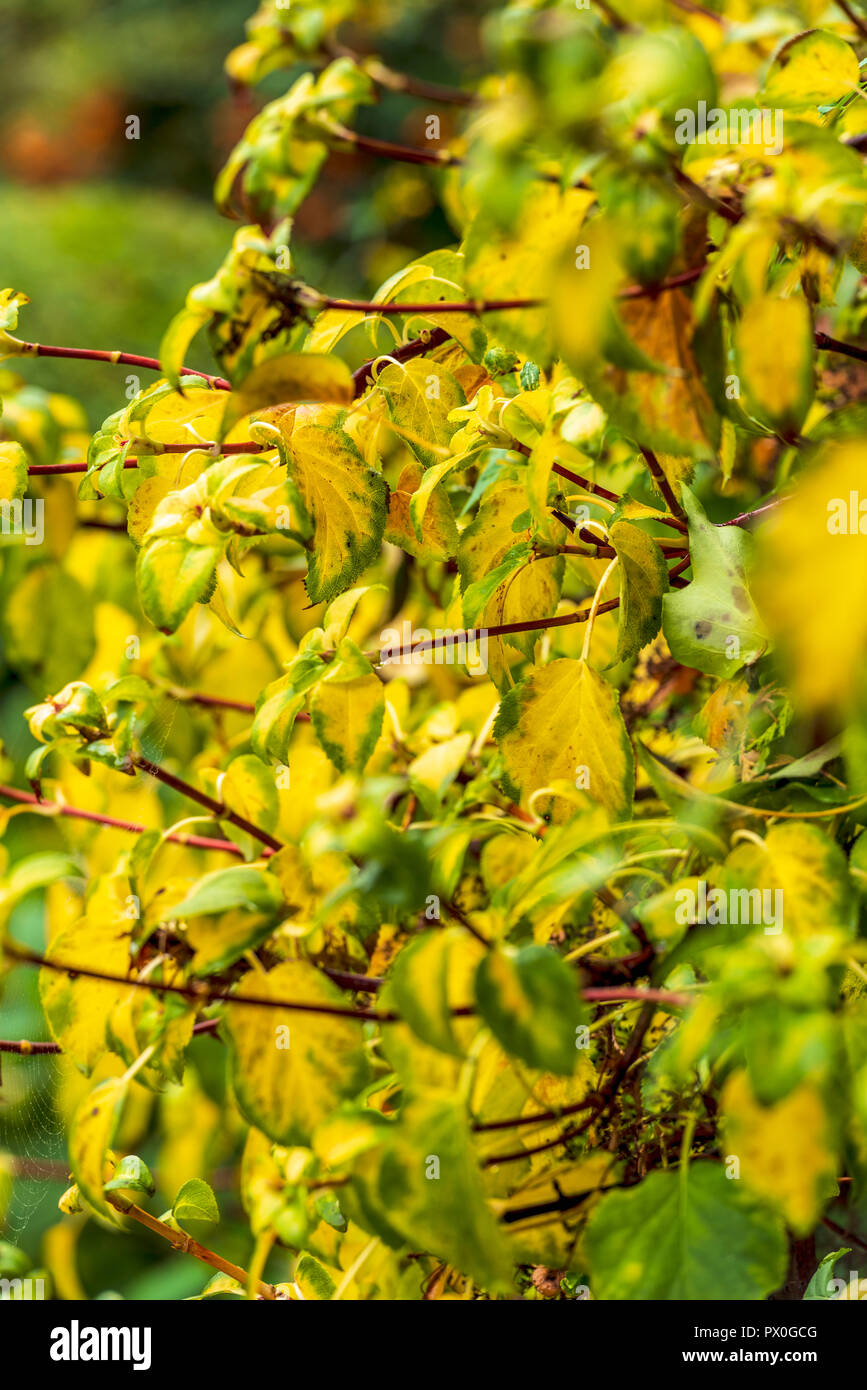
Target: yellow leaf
[346, 708]
[439, 533]
[76, 1007]
[774, 353]
[785, 1151]
[92, 1132]
[563, 723]
[13, 471]
[298, 376]
[289, 1068]
[811, 549]
[347, 502]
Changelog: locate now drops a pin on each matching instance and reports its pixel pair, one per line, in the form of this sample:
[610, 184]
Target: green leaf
[530, 1000]
[420, 1186]
[228, 912]
[643, 582]
[131, 1174]
[820, 1287]
[689, 1234]
[280, 704]
[432, 976]
[172, 575]
[245, 887]
[712, 625]
[195, 1202]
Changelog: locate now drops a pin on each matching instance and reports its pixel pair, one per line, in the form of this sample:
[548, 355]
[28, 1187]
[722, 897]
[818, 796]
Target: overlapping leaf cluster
[592, 446]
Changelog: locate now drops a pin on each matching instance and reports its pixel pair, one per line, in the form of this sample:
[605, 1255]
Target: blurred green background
[106, 234]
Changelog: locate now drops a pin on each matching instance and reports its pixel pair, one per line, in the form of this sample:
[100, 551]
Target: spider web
[33, 1131]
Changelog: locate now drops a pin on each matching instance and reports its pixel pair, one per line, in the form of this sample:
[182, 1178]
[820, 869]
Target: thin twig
[187, 1246]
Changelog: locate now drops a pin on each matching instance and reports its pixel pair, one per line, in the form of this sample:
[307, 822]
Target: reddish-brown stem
[80, 466]
[489, 306]
[401, 154]
[852, 17]
[684, 277]
[825, 343]
[690, 7]
[153, 446]
[446, 306]
[125, 359]
[199, 992]
[664, 486]
[744, 517]
[402, 82]
[702, 199]
[23, 1048]
[216, 808]
[56, 808]
[469, 635]
[405, 353]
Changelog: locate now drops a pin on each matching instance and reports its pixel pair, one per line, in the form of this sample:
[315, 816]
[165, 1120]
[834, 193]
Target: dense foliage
[450, 711]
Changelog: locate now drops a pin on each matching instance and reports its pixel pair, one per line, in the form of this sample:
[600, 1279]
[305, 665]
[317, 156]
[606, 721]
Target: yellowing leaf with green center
[521, 593]
[299, 376]
[712, 624]
[687, 1233]
[774, 352]
[228, 912]
[519, 264]
[172, 575]
[347, 501]
[432, 976]
[249, 789]
[813, 69]
[419, 397]
[13, 471]
[420, 1186]
[530, 999]
[91, 1134]
[76, 1007]
[279, 705]
[808, 869]
[439, 532]
[563, 723]
[787, 1152]
[809, 548]
[291, 1068]
[643, 581]
[347, 707]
